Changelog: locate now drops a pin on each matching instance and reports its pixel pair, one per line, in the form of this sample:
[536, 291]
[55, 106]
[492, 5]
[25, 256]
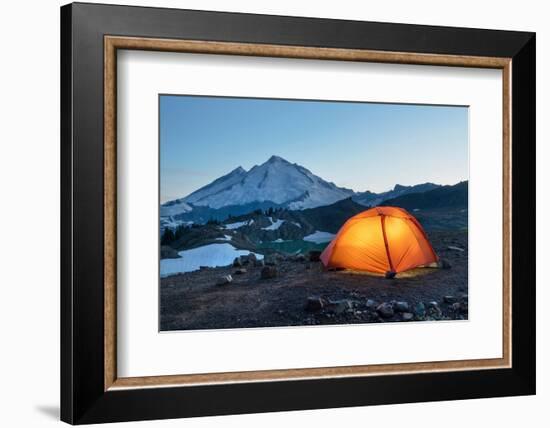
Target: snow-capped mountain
[276, 181]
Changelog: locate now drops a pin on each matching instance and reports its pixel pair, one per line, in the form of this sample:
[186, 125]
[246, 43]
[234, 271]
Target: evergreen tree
[167, 237]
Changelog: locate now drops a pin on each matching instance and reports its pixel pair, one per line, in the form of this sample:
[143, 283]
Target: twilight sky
[362, 146]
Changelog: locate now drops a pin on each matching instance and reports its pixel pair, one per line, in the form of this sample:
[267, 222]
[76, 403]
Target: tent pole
[383, 220]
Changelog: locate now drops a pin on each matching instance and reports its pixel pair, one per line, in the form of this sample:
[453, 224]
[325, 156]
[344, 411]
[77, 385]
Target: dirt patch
[193, 301]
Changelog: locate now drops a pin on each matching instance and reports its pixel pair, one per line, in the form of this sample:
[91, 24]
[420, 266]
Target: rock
[314, 256]
[224, 280]
[385, 310]
[251, 258]
[268, 272]
[300, 258]
[259, 263]
[237, 262]
[443, 264]
[167, 252]
[389, 274]
[340, 306]
[401, 307]
[371, 304]
[456, 306]
[434, 311]
[407, 316]
[449, 299]
[432, 304]
[420, 310]
[314, 303]
[240, 271]
[270, 260]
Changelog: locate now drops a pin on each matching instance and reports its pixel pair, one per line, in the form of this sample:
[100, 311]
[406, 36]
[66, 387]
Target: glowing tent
[381, 239]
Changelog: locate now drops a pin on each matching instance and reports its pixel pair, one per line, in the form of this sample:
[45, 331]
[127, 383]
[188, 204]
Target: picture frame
[91, 391]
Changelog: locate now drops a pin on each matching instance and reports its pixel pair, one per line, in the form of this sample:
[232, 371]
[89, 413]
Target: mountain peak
[398, 187]
[275, 158]
[238, 170]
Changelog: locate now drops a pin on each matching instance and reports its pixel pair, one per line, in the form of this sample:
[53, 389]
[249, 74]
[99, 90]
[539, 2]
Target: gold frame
[112, 43]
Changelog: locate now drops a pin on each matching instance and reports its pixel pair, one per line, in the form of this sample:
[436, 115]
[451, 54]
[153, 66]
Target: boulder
[407, 316]
[385, 310]
[420, 310]
[259, 263]
[432, 304]
[449, 299]
[237, 262]
[371, 304]
[434, 311]
[456, 306]
[224, 280]
[240, 271]
[251, 258]
[401, 307]
[460, 307]
[270, 260]
[167, 252]
[314, 256]
[340, 306]
[314, 303]
[268, 272]
[300, 258]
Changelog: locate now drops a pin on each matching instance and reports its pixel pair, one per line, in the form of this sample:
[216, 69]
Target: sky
[362, 146]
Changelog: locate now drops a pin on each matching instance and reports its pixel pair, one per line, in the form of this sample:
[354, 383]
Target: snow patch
[274, 224]
[236, 225]
[319, 237]
[171, 223]
[172, 208]
[225, 238]
[212, 255]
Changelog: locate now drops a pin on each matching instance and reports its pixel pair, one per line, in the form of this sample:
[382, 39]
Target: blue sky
[362, 146]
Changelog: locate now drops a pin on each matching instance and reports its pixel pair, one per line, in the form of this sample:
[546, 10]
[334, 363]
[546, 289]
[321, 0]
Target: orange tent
[381, 239]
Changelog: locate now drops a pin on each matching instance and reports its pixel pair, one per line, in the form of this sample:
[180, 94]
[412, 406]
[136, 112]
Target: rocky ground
[292, 290]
